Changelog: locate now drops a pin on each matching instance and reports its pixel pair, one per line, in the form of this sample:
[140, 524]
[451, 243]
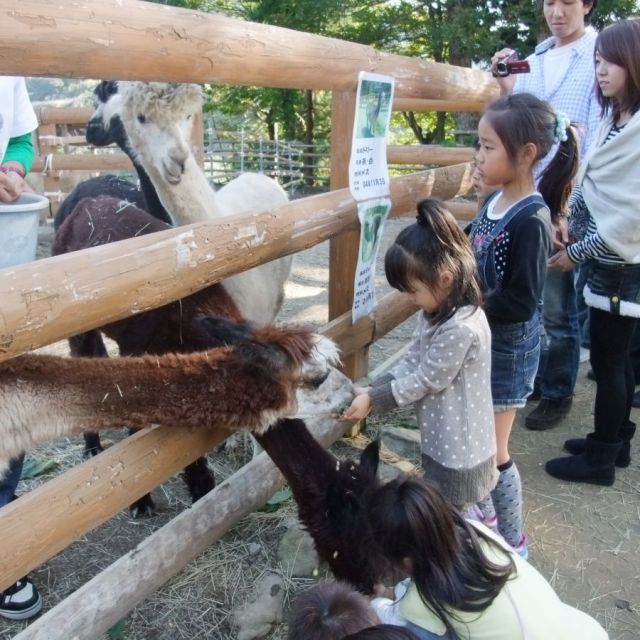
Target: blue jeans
[515, 353]
[560, 348]
[580, 278]
[9, 481]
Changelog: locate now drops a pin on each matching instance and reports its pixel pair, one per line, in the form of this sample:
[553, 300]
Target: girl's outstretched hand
[360, 407]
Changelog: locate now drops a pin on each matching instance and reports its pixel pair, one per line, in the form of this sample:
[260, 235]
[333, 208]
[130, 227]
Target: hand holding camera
[506, 62]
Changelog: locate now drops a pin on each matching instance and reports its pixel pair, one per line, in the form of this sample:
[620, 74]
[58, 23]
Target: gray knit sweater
[447, 374]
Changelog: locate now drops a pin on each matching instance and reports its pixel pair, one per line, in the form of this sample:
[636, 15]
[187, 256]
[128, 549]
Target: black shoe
[577, 446]
[635, 403]
[548, 413]
[20, 601]
[594, 466]
[536, 394]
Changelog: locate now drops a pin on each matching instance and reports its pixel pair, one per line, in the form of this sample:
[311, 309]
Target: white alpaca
[158, 119]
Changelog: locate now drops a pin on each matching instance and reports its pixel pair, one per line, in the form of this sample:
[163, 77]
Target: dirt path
[584, 539]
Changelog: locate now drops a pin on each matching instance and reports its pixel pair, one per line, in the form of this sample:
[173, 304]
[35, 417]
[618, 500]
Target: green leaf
[276, 500]
[117, 631]
[34, 468]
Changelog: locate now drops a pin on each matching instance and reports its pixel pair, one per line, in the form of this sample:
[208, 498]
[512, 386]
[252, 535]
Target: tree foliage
[461, 32]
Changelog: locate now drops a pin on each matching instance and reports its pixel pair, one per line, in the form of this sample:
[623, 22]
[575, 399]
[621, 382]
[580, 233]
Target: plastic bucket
[19, 222]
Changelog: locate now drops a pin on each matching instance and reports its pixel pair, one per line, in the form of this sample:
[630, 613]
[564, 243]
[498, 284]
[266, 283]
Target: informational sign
[369, 180]
[372, 214]
[368, 174]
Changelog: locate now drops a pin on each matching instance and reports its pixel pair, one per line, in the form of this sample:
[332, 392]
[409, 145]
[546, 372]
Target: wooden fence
[64, 156]
[58, 297]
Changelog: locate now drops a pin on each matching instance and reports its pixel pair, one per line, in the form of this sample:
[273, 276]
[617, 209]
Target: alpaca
[328, 493]
[105, 128]
[157, 118]
[245, 386]
[169, 328]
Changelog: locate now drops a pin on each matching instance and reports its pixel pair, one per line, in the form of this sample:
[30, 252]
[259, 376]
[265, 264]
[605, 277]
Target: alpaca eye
[141, 119]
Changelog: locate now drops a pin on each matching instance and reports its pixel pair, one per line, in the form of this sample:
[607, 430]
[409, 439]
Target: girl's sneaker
[521, 548]
[20, 601]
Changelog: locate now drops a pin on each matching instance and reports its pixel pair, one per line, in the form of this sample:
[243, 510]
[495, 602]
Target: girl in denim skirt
[511, 238]
[607, 197]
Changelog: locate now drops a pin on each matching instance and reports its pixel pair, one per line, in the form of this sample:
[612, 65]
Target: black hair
[329, 611]
[425, 250]
[589, 14]
[411, 519]
[619, 43]
[523, 118]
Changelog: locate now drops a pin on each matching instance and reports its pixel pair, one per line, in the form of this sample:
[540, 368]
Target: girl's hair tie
[562, 124]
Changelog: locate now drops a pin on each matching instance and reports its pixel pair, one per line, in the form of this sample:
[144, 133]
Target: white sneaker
[20, 601]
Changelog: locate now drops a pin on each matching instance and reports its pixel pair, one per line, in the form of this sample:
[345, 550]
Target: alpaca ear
[370, 459]
[217, 331]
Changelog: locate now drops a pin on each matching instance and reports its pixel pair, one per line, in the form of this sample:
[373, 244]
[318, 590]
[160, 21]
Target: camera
[510, 65]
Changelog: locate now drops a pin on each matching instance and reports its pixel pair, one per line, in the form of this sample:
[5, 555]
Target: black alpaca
[170, 328]
[102, 132]
[329, 494]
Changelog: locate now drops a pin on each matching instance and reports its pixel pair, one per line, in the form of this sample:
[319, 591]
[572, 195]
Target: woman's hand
[561, 261]
[560, 234]
[360, 407]
[11, 186]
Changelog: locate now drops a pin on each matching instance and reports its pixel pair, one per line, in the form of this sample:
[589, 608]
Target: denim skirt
[614, 288]
[515, 353]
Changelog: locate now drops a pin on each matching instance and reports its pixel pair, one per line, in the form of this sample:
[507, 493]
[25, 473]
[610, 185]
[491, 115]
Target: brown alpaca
[245, 386]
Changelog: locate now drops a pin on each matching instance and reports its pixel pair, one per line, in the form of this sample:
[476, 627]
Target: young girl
[607, 195]
[511, 238]
[465, 582]
[445, 372]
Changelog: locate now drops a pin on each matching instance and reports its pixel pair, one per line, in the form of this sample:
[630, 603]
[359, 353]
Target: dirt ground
[584, 539]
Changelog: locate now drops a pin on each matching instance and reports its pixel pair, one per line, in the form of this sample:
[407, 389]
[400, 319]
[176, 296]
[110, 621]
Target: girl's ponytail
[556, 181]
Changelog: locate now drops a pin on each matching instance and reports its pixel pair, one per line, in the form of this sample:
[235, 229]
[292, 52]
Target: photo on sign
[373, 219]
[374, 107]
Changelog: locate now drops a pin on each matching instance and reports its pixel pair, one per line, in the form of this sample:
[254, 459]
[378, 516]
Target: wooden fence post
[343, 249]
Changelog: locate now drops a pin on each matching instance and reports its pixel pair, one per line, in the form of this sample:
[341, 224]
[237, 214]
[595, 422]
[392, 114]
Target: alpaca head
[158, 118]
[304, 359]
[104, 126]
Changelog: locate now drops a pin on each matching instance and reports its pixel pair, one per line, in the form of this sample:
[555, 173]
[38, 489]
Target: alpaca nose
[96, 133]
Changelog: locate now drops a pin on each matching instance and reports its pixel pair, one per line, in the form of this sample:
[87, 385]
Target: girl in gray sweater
[446, 371]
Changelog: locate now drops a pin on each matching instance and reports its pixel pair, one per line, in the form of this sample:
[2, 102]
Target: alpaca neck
[192, 200]
[298, 455]
[45, 397]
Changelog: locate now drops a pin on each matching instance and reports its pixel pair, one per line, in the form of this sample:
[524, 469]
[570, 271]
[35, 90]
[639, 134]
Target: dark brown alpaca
[246, 386]
[329, 494]
[168, 329]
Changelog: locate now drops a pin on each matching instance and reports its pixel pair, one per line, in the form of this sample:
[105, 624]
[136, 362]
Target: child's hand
[358, 391]
[359, 409]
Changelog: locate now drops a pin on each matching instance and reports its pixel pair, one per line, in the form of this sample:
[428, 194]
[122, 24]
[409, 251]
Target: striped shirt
[592, 246]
